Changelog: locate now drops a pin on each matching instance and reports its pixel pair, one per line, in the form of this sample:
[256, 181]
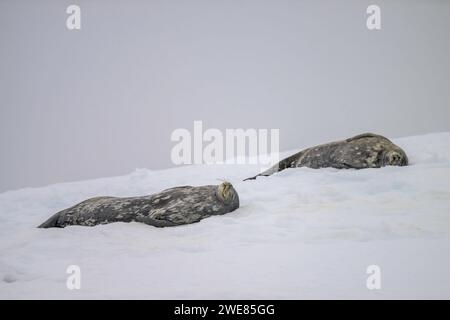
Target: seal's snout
[395, 158]
[226, 193]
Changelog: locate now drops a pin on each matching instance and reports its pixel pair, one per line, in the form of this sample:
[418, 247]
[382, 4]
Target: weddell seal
[366, 150]
[171, 207]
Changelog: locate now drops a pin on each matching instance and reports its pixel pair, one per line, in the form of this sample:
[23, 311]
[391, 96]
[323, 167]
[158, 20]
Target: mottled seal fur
[366, 150]
[171, 207]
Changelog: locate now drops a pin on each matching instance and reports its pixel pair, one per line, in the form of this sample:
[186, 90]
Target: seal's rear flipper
[258, 175]
[52, 222]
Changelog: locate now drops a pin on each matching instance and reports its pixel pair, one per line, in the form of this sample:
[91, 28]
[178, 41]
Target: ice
[301, 233]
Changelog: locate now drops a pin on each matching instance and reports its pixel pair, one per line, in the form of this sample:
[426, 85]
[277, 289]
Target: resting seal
[366, 150]
[171, 207]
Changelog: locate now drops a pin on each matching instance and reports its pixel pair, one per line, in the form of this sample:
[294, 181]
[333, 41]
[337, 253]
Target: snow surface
[301, 233]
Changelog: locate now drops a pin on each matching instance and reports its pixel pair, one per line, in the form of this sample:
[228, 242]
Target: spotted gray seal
[171, 207]
[366, 150]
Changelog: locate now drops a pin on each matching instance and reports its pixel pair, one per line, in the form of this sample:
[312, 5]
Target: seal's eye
[395, 158]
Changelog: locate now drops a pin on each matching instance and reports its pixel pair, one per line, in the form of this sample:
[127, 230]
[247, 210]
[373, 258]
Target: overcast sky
[104, 100]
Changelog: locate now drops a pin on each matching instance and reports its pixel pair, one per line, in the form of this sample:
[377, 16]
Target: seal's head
[394, 158]
[226, 194]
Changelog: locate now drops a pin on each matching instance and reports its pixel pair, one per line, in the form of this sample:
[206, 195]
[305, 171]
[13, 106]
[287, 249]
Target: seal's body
[366, 150]
[171, 207]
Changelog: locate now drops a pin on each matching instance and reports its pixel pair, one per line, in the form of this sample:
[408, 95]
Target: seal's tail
[52, 222]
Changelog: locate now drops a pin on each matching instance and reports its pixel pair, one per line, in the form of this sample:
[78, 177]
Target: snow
[301, 233]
